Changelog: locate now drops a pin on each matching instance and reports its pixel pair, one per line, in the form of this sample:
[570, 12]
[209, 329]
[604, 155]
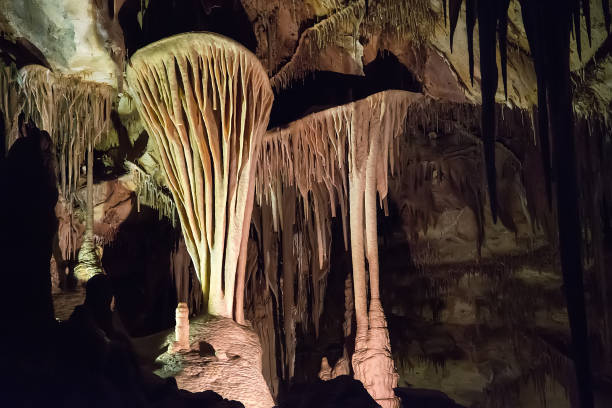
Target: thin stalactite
[149, 193]
[454, 9]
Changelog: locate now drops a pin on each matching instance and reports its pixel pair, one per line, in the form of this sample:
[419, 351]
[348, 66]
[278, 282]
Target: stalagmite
[181, 330]
[206, 101]
[372, 361]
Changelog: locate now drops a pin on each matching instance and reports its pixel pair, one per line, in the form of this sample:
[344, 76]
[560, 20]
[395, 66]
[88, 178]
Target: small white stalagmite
[206, 101]
[181, 330]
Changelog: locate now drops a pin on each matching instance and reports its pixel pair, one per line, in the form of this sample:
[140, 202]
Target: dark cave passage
[138, 264]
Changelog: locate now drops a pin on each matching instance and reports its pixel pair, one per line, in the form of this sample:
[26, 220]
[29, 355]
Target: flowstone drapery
[206, 101]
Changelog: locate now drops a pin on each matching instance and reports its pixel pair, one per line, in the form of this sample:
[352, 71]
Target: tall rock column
[206, 101]
[368, 157]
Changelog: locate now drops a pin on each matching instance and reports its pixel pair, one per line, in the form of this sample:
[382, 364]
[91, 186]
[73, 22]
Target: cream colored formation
[75, 113]
[341, 157]
[149, 193]
[206, 101]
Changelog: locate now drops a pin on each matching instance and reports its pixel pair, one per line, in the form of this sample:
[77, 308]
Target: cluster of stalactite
[150, 193]
[10, 106]
[75, 113]
[548, 34]
[411, 19]
[312, 155]
[292, 278]
[206, 101]
[338, 158]
[72, 110]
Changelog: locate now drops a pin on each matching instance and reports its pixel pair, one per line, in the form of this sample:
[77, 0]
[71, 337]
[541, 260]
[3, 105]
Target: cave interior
[316, 203]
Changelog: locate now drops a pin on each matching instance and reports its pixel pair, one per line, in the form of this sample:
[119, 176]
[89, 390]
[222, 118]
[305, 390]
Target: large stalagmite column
[368, 150]
[313, 154]
[206, 101]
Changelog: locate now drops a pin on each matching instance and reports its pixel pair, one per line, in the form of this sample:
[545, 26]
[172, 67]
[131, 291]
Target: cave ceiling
[95, 40]
[318, 54]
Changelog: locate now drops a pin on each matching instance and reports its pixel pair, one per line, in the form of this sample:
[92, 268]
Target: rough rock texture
[234, 371]
[181, 330]
[488, 332]
[67, 34]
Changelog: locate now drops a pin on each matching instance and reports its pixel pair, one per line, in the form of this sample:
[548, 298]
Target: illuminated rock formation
[206, 101]
[181, 330]
[409, 19]
[76, 113]
[316, 154]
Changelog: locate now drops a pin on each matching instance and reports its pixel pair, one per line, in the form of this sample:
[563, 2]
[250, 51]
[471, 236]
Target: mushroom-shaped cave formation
[206, 100]
[329, 203]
